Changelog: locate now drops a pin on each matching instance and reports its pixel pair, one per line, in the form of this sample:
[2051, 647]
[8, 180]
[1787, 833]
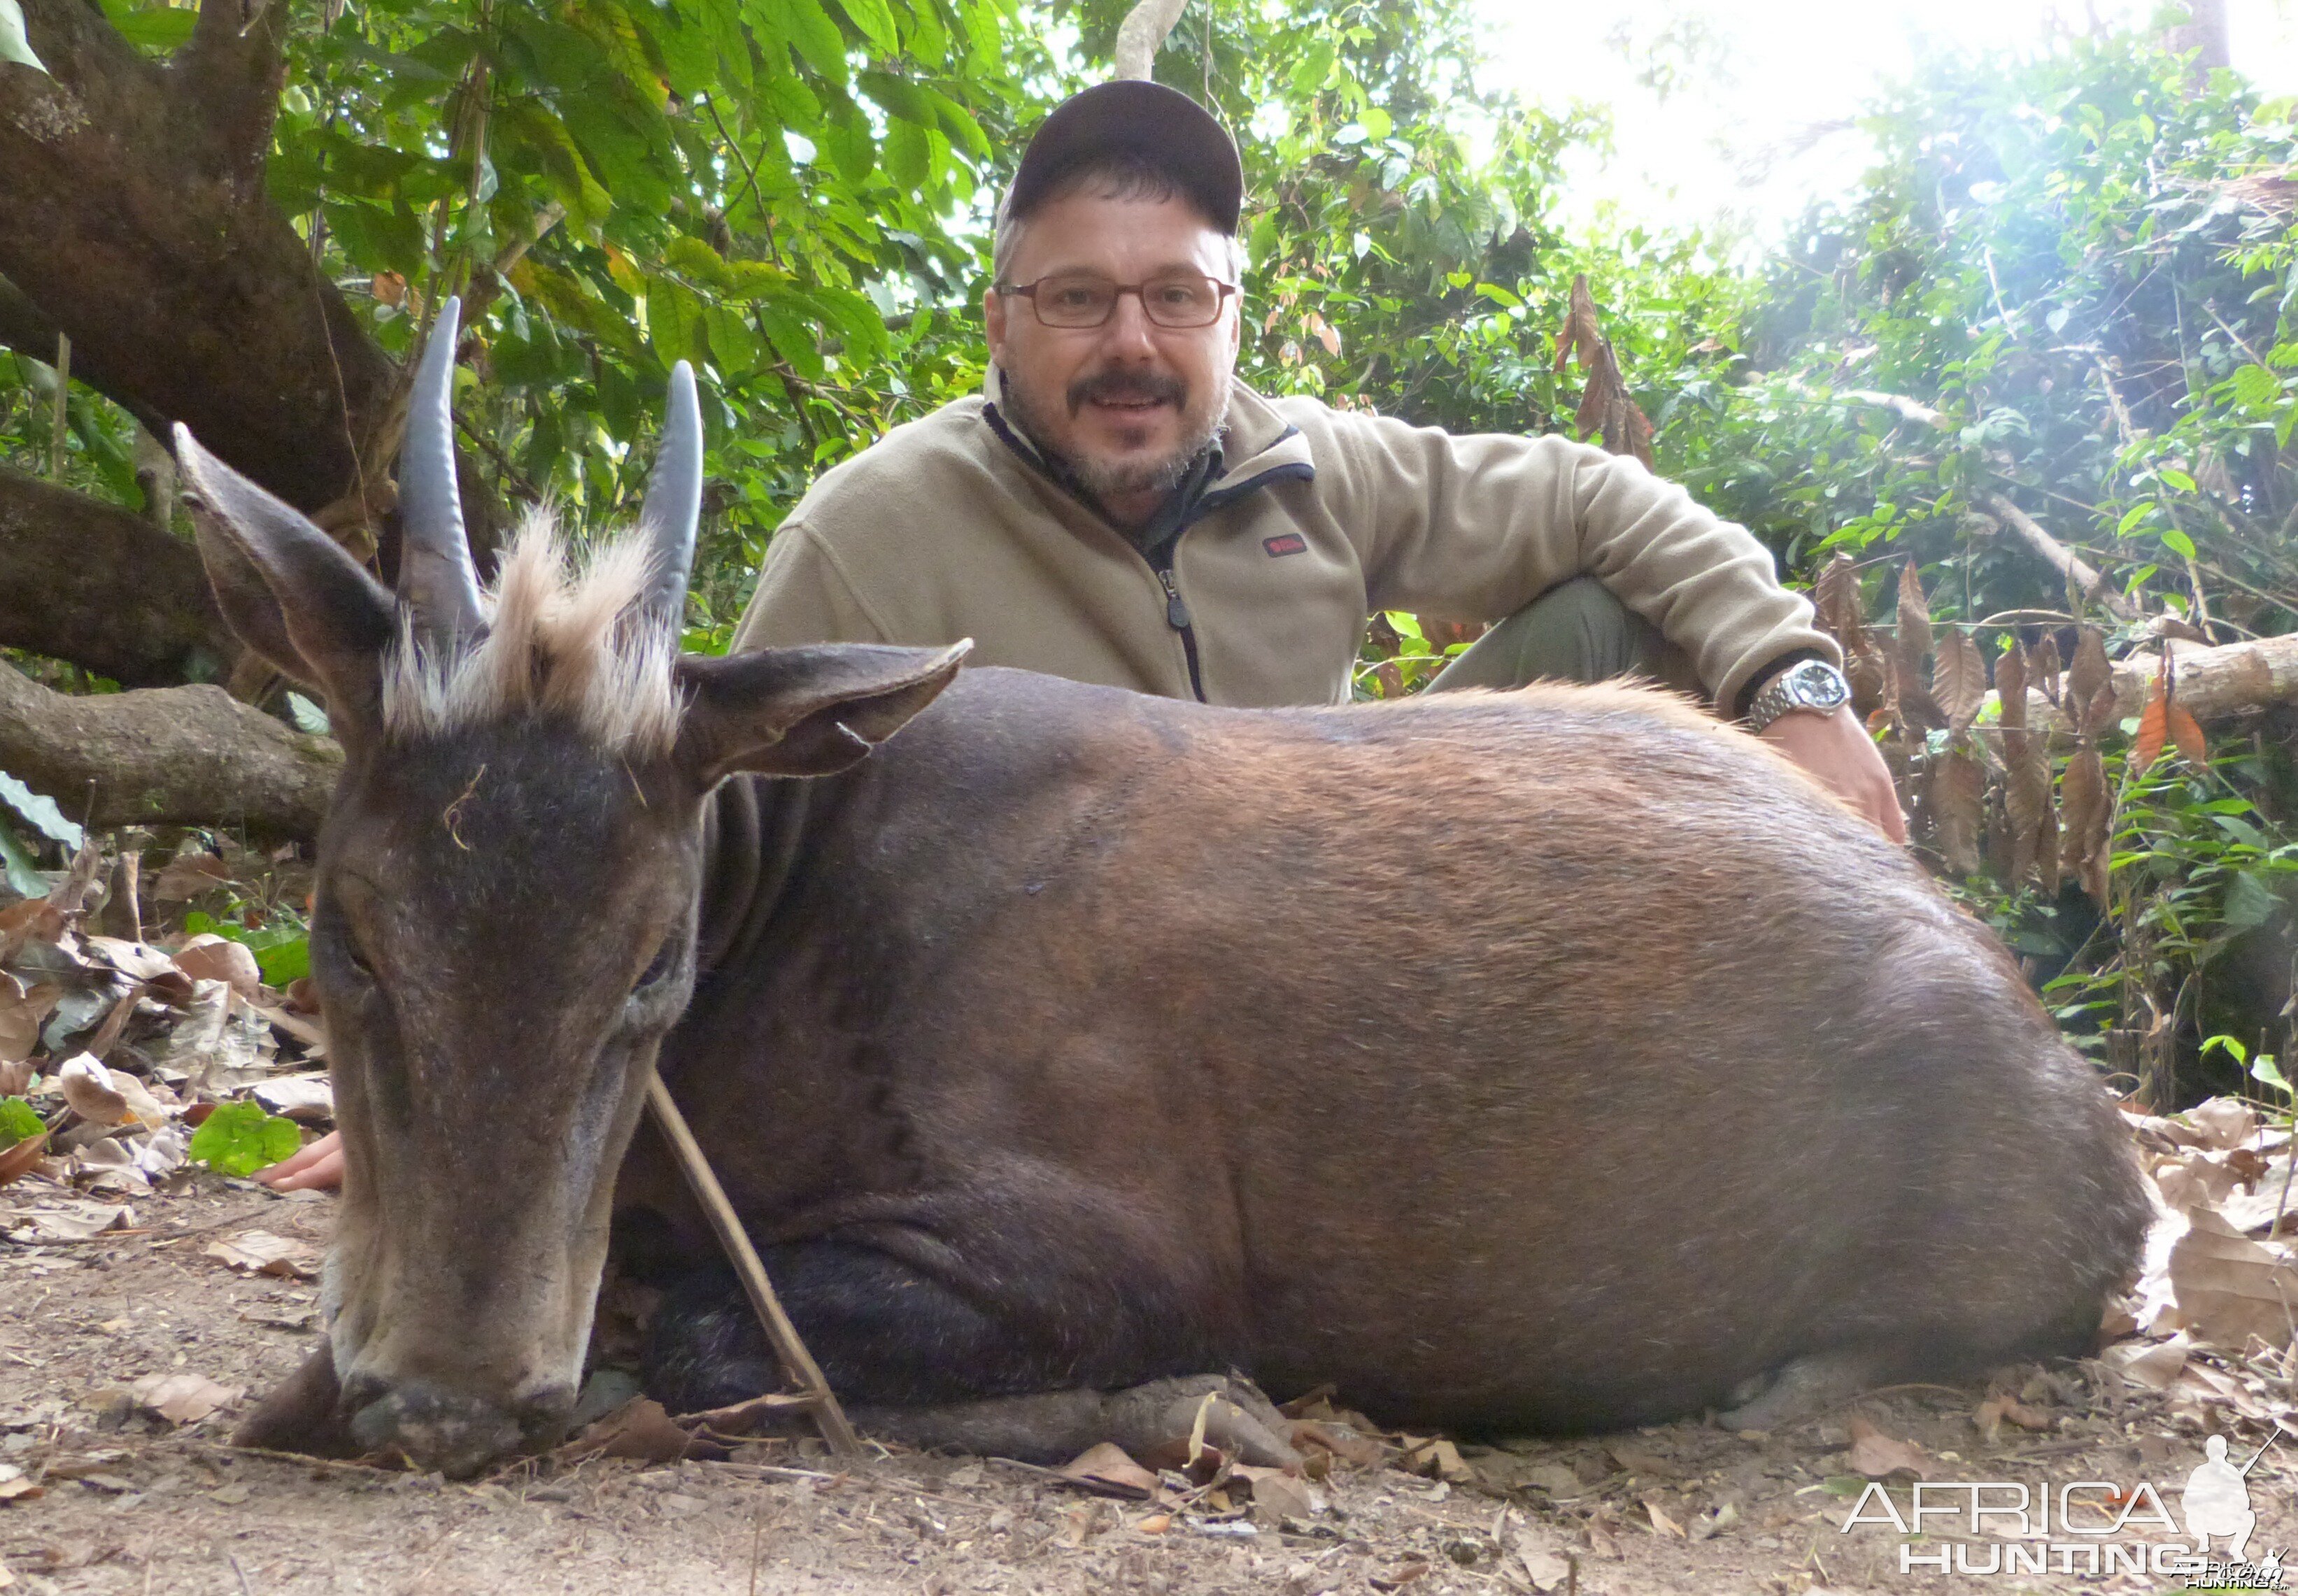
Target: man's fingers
[1837, 750]
[318, 1167]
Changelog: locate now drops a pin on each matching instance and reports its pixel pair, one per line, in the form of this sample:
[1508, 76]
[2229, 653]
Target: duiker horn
[437, 582]
[673, 501]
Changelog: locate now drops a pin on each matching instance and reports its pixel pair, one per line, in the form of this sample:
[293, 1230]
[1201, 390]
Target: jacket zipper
[1176, 616]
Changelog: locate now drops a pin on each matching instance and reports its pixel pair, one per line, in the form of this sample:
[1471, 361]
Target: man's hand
[1837, 750]
[318, 1167]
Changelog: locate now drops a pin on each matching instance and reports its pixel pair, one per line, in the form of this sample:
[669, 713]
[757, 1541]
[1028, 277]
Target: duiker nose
[454, 1431]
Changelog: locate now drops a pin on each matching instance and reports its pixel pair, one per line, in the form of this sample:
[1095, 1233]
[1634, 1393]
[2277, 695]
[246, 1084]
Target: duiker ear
[802, 712]
[288, 591]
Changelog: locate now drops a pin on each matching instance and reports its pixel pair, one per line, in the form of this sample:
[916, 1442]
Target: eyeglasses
[1178, 299]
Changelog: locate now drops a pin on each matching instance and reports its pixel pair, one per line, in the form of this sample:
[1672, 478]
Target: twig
[828, 1416]
[62, 410]
[2068, 563]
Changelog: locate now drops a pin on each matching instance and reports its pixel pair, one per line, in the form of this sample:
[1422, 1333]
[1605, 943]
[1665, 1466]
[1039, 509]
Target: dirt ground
[99, 1494]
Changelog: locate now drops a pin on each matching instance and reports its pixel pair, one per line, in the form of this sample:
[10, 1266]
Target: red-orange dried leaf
[2154, 728]
[2186, 735]
[2027, 802]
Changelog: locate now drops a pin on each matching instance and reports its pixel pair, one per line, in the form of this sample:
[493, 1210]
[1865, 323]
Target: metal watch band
[1809, 684]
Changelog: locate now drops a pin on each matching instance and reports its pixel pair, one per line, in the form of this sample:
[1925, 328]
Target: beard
[1101, 479]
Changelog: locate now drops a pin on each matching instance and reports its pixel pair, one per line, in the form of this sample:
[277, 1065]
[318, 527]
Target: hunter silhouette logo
[2086, 1526]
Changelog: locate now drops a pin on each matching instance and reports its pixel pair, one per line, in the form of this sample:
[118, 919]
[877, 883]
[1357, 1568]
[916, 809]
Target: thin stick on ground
[797, 1361]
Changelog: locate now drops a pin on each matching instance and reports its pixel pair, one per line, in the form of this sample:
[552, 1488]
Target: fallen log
[2214, 683]
[165, 755]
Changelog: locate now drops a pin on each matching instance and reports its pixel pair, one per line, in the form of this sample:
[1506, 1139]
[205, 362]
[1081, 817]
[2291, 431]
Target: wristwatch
[1811, 684]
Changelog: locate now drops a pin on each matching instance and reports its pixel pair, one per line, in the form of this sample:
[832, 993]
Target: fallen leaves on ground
[183, 1398]
[261, 1252]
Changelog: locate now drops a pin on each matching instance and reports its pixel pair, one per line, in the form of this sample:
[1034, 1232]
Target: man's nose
[1129, 331]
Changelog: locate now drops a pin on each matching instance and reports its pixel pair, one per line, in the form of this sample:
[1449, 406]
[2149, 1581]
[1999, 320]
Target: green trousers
[1575, 632]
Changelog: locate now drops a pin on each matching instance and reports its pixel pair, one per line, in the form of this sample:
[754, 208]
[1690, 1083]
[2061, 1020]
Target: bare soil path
[98, 1493]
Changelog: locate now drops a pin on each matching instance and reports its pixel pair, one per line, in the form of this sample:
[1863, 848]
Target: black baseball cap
[1134, 117]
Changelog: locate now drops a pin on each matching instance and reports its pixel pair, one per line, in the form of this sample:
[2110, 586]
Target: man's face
[1129, 405]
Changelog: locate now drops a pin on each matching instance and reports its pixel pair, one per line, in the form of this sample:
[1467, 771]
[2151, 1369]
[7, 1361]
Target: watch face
[1816, 685]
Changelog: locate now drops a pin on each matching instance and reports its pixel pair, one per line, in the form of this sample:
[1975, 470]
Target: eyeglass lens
[1181, 300]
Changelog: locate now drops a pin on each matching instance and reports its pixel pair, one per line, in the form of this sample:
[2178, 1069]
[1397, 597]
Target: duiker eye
[665, 958]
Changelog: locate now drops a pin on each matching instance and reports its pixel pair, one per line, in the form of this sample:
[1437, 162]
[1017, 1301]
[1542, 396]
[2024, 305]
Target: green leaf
[2264, 1069]
[308, 716]
[21, 870]
[675, 322]
[40, 813]
[18, 1121]
[239, 1139]
[2250, 903]
[2256, 386]
[875, 22]
[2180, 540]
[2172, 478]
[818, 41]
[285, 961]
[13, 46]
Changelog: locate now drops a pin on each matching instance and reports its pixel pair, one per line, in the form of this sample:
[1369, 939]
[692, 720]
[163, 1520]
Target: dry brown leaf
[2090, 679]
[1836, 597]
[2219, 1122]
[22, 1012]
[1338, 1439]
[1879, 1456]
[1912, 644]
[2011, 687]
[1662, 1521]
[2228, 1288]
[187, 875]
[22, 1159]
[2027, 802]
[104, 1096]
[2153, 1365]
[261, 1252]
[2043, 665]
[1958, 806]
[1545, 1562]
[307, 1099]
[184, 1398]
[639, 1429]
[1107, 1468]
[211, 957]
[1580, 335]
[1278, 1496]
[1959, 680]
[2084, 821]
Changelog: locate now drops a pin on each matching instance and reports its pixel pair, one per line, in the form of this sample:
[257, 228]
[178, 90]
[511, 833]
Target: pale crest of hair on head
[563, 637]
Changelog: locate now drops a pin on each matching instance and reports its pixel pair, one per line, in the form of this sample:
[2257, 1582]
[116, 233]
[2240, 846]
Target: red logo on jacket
[1291, 542]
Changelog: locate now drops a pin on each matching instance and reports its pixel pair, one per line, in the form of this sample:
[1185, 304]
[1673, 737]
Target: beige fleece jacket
[951, 527]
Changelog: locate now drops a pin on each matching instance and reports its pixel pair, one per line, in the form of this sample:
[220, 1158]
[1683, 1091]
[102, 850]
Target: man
[1116, 508]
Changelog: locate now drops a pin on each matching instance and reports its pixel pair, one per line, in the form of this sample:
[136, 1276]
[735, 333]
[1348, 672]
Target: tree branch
[173, 756]
[131, 217]
[2064, 559]
[103, 588]
[1143, 29]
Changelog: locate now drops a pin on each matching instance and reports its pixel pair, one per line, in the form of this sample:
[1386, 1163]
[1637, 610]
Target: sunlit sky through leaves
[1734, 113]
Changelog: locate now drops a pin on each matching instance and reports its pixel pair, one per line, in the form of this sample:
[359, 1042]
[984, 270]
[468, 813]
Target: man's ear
[802, 712]
[288, 591]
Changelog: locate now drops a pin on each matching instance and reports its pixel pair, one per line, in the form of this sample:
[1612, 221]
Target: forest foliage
[2080, 269]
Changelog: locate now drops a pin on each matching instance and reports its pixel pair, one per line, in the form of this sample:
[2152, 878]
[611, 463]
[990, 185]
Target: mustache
[1128, 387]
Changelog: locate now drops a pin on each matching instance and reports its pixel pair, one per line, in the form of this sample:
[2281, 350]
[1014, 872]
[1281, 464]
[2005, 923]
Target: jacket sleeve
[1474, 527]
[804, 597]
